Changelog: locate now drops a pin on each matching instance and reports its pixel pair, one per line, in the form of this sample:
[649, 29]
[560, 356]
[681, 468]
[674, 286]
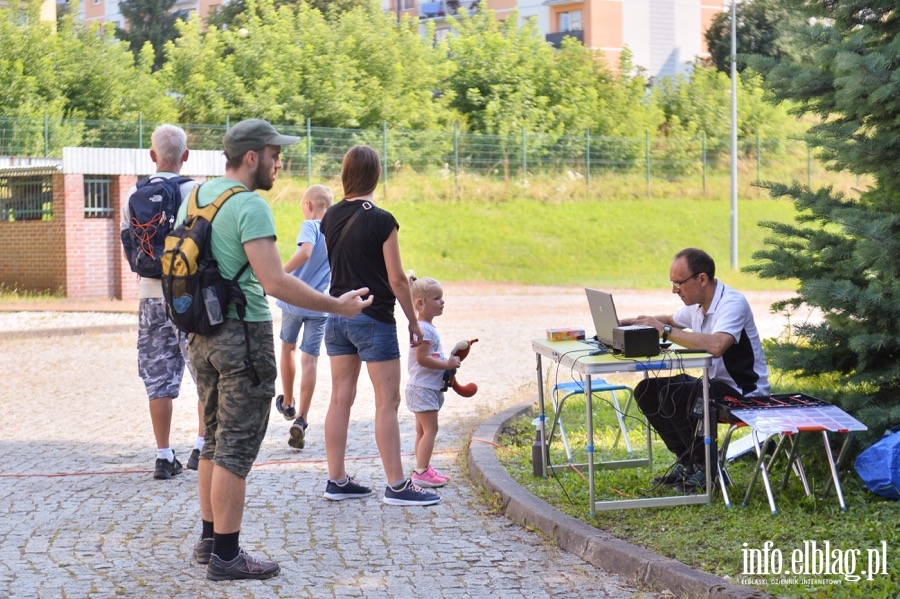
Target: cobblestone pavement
[83, 517]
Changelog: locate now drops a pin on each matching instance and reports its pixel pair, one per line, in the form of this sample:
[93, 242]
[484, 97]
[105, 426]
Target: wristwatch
[667, 330]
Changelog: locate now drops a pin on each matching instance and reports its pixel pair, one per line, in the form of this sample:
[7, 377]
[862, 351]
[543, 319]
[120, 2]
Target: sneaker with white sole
[349, 490]
[438, 473]
[244, 566]
[409, 494]
[428, 479]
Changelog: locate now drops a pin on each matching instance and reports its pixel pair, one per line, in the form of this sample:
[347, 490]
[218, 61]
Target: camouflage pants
[161, 350]
[235, 408]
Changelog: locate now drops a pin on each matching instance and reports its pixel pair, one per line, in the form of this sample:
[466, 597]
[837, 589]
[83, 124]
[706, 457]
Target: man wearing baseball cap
[237, 395]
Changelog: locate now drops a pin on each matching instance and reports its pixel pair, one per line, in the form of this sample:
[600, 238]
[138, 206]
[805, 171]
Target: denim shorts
[162, 350]
[370, 339]
[313, 331]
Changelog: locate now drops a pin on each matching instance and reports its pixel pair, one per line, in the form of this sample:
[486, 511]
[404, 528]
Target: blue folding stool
[597, 386]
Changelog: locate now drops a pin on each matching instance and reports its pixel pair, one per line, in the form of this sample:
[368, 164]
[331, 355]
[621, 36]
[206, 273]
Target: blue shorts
[370, 339]
[313, 331]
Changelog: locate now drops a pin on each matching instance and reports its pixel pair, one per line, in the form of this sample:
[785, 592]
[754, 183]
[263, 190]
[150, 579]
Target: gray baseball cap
[254, 134]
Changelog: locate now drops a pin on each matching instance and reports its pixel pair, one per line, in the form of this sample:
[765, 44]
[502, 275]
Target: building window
[26, 198]
[570, 21]
[97, 202]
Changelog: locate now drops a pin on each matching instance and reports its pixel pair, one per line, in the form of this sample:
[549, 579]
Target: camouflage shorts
[160, 345]
[235, 408]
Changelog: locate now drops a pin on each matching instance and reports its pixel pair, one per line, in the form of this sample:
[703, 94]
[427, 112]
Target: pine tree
[845, 251]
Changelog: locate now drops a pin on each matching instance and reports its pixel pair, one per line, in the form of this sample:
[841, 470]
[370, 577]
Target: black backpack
[153, 207]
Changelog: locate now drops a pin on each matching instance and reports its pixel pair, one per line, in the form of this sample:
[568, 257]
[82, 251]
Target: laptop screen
[603, 311]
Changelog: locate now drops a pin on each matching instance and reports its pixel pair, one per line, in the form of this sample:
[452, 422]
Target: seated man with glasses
[716, 319]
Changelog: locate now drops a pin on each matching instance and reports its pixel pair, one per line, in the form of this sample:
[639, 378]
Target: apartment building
[664, 36]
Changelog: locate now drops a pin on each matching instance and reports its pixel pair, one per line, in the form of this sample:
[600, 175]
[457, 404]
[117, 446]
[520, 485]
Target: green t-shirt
[244, 217]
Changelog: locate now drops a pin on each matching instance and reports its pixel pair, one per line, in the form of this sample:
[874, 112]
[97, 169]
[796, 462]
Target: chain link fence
[586, 162]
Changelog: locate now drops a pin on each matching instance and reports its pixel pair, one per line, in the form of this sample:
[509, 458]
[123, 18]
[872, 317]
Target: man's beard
[261, 177]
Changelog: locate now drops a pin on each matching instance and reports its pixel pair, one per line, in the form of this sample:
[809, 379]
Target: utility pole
[734, 153]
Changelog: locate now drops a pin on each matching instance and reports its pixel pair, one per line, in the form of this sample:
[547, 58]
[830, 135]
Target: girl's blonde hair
[421, 286]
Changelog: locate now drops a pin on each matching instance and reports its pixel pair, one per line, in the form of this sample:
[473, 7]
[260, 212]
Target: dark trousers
[667, 404]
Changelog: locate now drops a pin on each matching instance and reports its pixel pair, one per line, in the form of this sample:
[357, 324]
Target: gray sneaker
[349, 490]
[203, 551]
[242, 567]
[194, 461]
[410, 494]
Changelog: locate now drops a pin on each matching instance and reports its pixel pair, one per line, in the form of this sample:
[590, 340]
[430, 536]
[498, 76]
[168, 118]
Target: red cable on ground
[256, 465]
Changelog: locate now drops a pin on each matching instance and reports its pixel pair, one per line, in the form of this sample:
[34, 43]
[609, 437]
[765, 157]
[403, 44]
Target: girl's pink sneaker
[428, 479]
[437, 474]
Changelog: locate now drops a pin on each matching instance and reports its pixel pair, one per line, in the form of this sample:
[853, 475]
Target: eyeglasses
[680, 283]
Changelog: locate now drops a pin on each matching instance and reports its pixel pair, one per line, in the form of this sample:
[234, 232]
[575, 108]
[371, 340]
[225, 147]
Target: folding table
[577, 355]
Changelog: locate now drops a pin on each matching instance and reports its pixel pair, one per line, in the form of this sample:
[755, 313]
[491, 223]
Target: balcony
[444, 8]
[555, 39]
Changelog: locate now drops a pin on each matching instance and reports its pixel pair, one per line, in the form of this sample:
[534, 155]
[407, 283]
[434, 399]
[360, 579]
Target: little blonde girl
[427, 364]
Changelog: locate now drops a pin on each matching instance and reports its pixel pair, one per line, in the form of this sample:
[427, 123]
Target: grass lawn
[614, 243]
[715, 538]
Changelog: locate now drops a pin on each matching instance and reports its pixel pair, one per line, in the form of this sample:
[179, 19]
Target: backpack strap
[366, 205]
[210, 210]
[238, 298]
[240, 305]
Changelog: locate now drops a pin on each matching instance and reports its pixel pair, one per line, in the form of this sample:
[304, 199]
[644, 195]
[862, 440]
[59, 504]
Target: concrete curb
[590, 544]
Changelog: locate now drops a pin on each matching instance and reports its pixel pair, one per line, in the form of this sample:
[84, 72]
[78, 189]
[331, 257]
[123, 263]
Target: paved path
[82, 516]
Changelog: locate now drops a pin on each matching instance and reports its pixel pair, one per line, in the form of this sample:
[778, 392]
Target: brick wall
[32, 255]
[78, 257]
[126, 281]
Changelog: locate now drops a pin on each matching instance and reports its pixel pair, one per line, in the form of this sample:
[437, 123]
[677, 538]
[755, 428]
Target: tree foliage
[233, 14]
[764, 28]
[149, 21]
[78, 72]
[701, 104]
[289, 63]
[845, 251]
[357, 67]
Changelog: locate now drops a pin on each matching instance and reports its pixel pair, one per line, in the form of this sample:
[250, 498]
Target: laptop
[603, 312]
